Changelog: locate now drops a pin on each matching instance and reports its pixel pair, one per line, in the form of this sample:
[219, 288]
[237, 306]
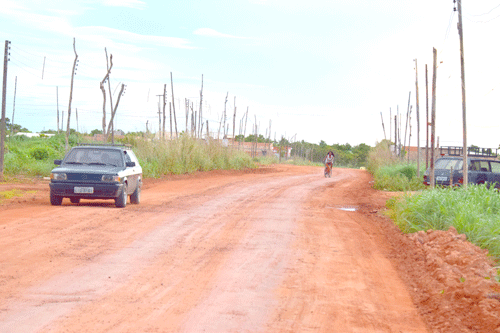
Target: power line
[497, 6]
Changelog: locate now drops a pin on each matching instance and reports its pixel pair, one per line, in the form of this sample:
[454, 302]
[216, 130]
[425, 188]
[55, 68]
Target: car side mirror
[130, 164]
[57, 162]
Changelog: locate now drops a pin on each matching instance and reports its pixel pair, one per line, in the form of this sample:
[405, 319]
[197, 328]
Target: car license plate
[84, 189]
[441, 179]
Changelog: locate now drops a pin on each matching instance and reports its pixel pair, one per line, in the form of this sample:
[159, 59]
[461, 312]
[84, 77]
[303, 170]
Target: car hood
[96, 169]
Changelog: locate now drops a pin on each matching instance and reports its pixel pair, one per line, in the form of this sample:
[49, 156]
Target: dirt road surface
[276, 249]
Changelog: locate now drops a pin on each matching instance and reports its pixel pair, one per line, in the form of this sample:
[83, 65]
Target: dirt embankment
[278, 249]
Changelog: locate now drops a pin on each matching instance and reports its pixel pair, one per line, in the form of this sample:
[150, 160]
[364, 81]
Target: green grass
[398, 177]
[35, 156]
[186, 155]
[473, 211]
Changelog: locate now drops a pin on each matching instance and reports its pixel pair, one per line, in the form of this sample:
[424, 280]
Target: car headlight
[111, 178]
[58, 176]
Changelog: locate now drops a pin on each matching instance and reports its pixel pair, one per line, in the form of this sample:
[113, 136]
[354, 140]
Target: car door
[495, 173]
[480, 172]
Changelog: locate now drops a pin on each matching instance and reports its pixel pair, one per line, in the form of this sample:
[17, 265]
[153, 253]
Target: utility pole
[234, 117]
[57, 97]
[4, 97]
[164, 103]
[433, 114]
[418, 120]
[426, 119]
[71, 95]
[461, 34]
[224, 126]
[76, 113]
[407, 120]
[175, 118]
[13, 111]
[159, 115]
[200, 123]
[383, 127]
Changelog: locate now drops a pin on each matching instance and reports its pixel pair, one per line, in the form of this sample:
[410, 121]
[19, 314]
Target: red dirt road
[278, 249]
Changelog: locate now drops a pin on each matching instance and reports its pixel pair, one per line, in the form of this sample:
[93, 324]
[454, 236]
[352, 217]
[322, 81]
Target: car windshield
[446, 163]
[87, 156]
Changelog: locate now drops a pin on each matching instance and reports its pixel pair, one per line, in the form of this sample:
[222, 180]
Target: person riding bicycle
[329, 159]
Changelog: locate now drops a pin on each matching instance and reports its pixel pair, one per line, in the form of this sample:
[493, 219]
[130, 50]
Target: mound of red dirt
[454, 282]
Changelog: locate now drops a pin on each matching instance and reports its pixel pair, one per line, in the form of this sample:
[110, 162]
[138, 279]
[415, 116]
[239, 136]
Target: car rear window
[446, 163]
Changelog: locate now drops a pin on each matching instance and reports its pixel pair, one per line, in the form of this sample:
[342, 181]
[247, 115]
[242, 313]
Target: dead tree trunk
[71, 96]
[110, 98]
[115, 108]
[103, 90]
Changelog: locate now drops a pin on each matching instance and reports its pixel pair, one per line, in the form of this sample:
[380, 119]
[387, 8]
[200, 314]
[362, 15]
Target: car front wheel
[55, 200]
[135, 198]
[121, 201]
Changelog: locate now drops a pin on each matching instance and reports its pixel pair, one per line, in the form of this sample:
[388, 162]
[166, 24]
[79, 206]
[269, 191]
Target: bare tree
[115, 108]
[106, 77]
[71, 95]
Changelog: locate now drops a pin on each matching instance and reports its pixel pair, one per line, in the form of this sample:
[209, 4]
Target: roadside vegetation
[35, 156]
[391, 173]
[473, 211]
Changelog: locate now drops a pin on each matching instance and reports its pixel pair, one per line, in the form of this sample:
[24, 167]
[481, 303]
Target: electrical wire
[497, 6]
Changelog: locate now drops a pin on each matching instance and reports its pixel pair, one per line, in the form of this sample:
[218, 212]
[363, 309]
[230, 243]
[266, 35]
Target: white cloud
[105, 35]
[135, 4]
[212, 33]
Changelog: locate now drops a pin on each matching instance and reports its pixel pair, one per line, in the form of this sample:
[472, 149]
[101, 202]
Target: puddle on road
[345, 208]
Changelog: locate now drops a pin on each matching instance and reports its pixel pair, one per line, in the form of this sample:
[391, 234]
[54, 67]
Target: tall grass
[186, 155]
[473, 211]
[35, 156]
[391, 173]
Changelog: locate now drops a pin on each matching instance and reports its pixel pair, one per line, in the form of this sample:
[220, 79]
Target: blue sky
[323, 70]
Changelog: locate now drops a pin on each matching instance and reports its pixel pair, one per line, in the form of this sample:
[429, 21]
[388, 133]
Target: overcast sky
[323, 70]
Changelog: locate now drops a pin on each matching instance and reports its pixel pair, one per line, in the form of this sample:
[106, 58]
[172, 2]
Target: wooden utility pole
[407, 120]
[4, 98]
[164, 103]
[234, 116]
[418, 120]
[175, 118]
[200, 123]
[390, 123]
[170, 107]
[43, 68]
[433, 114]
[224, 128]
[462, 65]
[71, 96]
[76, 114]
[57, 97]
[426, 119]
[383, 127]
[395, 134]
[159, 115]
[13, 111]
